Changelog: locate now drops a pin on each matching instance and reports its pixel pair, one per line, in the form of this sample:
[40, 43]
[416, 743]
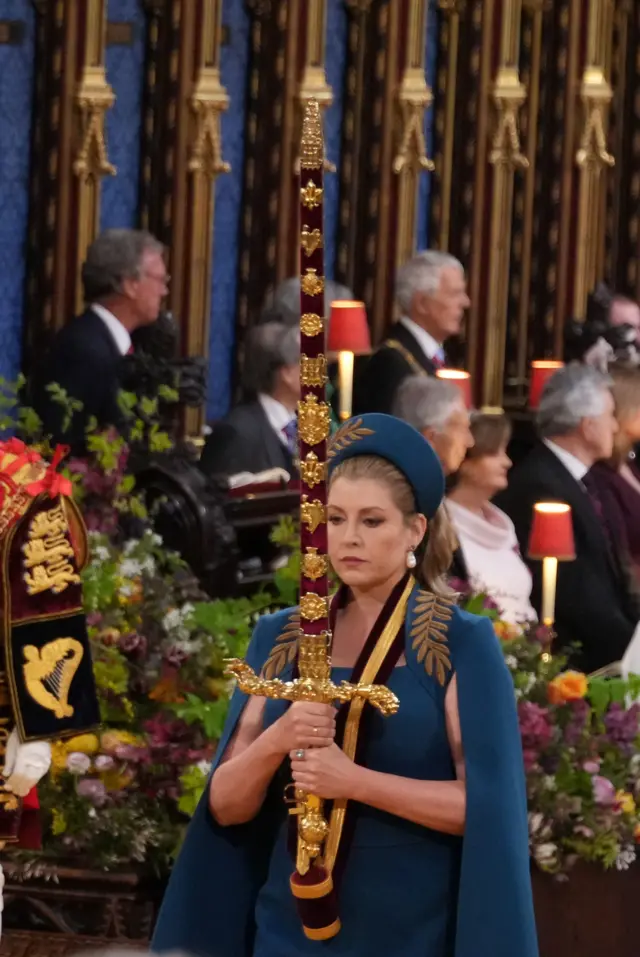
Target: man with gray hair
[595, 605]
[431, 295]
[125, 281]
[436, 408]
[261, 433]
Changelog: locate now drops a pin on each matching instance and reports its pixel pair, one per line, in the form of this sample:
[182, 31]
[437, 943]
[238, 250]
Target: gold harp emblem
[313, 371]
[310, 240]
[49, 671]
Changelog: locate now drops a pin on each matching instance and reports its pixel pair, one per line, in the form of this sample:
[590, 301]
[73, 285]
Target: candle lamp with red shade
[462, 381]
[541, 371]
[551, 541]
[348, 337]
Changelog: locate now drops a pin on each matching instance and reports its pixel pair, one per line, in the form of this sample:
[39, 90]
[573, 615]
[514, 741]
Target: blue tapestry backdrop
[234, 58]
[335, 58]
[125, 65]
[16, 88]
[422, 236]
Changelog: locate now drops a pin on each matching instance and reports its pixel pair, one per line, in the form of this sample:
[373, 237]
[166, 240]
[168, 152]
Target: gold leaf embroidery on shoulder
[429, 631]
[346, 435]
[285, 648]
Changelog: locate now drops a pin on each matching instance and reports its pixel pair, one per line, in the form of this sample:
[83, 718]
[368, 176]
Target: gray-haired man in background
[125, 281]
[436, 408]
[431, 295]
[594, 604]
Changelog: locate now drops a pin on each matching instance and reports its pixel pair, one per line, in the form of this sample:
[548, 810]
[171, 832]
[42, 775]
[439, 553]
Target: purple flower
[104, 762]
[604, 792]
[622, 725]
[94, 790]
[591, 767]
[535, 726]
[579, 711]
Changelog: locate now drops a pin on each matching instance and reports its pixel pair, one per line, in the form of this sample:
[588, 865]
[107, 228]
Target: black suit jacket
[377, 384]
[244, 441]
[593, 604]
[85, 361]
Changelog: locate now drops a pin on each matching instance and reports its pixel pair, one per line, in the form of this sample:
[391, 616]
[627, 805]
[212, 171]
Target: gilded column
[414, 98]
[93, 97]
[506, 157]
[592, 156]
[445, 117]
[68, 160]
[208, 100]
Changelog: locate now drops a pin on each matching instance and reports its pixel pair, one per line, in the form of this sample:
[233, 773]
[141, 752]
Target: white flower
[100, 554]
[187, 610]
[148, 565]
[511, 662]
[130, 546]
[625, 858]
[546, 854]
[93, 812]
[172, 620]
[126, 590]
[78, 763]
[203, 766]
[130, 568]
[104, 762]
[535, 821]
[550, 783]
[155, 539]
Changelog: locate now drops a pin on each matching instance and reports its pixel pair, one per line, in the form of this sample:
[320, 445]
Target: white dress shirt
[573, 465]
[277, 414]
[430, 346]
[119, 334]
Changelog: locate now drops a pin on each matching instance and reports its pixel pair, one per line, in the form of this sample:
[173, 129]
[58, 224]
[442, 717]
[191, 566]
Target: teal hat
[401, 445]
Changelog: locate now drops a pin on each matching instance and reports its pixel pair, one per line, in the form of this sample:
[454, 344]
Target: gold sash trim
[352, 725]
[406, 355]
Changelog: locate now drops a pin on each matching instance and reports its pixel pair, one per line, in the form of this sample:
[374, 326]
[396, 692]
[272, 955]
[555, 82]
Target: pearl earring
[411, 559]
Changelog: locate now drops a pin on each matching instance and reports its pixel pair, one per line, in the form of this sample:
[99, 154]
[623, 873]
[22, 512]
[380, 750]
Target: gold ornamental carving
[312, 513]
[312, 470]
[315, 95]
[509, 94]
[93, 98]
[313, 607]
[311, 195]
[414, 98]
[313, 372]
[311, 324]
[314, 566]
[314, 420]
[312, 283]
[208, 102]
[596, 94]
[311, 240]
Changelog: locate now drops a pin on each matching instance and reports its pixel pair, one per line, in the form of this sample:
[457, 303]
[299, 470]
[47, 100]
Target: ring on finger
[300, 754]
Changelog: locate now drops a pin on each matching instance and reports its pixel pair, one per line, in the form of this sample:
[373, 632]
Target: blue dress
[403, 919]
[406, 891]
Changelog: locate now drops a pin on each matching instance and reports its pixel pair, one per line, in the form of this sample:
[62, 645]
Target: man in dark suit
[125, 280]
[261, 433]
[431, 294]
[595, 605]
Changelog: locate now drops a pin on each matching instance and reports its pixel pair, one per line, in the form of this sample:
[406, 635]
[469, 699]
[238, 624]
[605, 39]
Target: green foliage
[192, 783]
[209, 714]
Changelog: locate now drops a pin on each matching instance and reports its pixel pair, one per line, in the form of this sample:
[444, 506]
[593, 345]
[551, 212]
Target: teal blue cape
[208, 910]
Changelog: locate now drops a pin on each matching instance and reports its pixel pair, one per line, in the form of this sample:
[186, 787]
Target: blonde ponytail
[441, 543]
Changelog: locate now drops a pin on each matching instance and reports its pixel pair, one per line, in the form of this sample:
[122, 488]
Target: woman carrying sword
[386, 715]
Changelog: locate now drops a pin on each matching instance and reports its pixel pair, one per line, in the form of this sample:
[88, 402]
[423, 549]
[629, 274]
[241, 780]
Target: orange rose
[506, 631]
[636, 833]
[568, 686]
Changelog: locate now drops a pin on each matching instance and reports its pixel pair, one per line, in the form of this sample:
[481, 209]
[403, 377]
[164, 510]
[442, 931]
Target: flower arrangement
[581, 745]
[124, 794]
